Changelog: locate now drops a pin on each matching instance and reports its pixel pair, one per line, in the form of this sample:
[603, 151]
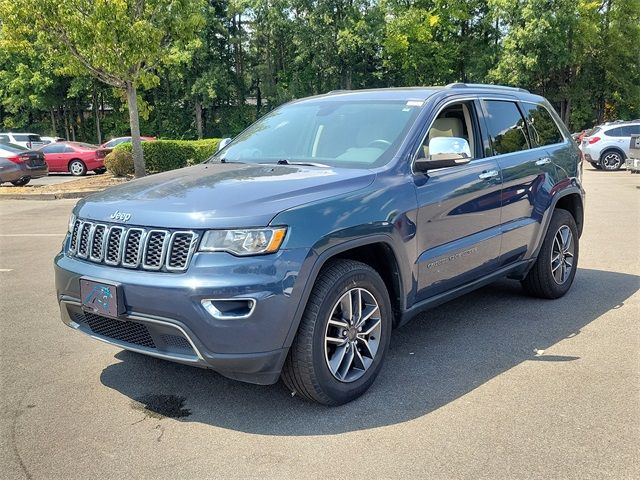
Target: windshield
[341, 133]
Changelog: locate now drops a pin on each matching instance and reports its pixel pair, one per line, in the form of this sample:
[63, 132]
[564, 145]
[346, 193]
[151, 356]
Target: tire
[310, 369]
[596, 166]
[100, 171]
[21, 182]
[611, 160]
[77, 168]
[549, 278]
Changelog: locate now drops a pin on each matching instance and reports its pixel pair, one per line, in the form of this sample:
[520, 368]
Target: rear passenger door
[528, 175]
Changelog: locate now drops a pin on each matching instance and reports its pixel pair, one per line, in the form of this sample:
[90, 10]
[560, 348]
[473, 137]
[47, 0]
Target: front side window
[337, 133]
[630, 130]
[507, 129]
[543, 130]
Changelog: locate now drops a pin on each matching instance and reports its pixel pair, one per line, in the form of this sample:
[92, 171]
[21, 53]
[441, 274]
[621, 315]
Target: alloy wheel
[611, 161]
[77, 168]
[562, 254]
[352, 335]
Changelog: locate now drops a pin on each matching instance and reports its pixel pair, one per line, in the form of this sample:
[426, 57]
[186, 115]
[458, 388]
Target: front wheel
[343, 335]
[77, 168]
[553, 273]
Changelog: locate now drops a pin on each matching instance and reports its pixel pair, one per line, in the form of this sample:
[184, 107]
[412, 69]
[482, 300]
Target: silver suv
[607, 146]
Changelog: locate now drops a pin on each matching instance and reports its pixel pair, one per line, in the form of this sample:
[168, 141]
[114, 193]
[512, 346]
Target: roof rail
[482, 85]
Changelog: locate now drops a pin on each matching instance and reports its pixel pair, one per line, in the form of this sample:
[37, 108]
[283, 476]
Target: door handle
[543, 161]
[489, 174]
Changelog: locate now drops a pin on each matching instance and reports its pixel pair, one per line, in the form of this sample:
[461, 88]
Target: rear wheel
[611, 160]
[343, 335]
[555, 268]
[21, 182]
[77, 168]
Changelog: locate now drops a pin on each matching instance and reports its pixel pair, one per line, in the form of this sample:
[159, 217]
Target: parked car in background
[30, 141]
[606, 146]
[52, 139]
[19, 165]
[107, 147]
[74, 157]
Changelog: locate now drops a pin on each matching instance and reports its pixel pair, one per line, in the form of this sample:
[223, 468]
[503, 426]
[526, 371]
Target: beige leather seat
[444, 127]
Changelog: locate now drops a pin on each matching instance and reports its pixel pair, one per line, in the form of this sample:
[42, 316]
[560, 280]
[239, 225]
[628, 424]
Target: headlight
[253, 241]
[72, 222]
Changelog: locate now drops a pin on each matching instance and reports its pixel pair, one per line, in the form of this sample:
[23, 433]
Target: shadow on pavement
[438, 357]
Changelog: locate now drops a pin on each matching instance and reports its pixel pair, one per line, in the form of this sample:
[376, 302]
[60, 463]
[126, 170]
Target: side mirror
[445, 152]
[223, 143]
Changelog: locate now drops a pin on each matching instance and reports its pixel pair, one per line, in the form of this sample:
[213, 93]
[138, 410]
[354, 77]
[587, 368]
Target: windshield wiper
[284, 161]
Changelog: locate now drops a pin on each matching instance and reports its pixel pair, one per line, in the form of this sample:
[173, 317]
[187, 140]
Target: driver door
[458, 225]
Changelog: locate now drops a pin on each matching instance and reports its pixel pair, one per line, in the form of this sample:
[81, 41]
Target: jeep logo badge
[118, 215]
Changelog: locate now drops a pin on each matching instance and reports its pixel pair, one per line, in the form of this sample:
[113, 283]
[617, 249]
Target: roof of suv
[422, 93]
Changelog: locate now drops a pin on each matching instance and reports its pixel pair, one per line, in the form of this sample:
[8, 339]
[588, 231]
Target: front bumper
[165, 316]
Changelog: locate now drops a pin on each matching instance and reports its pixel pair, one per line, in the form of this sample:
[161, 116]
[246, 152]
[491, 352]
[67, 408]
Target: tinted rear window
[543, 129]
[12, 148]
[506, 127]
[27, 138]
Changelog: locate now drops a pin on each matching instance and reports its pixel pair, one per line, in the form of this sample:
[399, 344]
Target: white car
[26, 140]
[606, 146]
[48, 140]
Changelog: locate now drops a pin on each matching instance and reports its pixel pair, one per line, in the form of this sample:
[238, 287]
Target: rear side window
[506, 126]
[616, 132]
[53, 148]
[543, 130]
[22, 138]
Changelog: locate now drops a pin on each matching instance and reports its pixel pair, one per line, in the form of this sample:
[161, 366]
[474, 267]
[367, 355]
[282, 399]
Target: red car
[74, 157]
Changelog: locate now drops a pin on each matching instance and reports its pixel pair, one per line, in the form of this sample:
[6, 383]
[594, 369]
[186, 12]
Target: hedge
[163, 155]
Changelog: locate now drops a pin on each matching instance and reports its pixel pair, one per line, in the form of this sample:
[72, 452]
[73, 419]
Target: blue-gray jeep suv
[296, 249]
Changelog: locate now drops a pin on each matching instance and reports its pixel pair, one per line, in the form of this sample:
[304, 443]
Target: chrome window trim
[163, 249]
[192, 249]
[565, 138]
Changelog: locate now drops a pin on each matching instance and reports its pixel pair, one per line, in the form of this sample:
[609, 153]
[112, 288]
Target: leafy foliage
[164, 155]
[206, 68]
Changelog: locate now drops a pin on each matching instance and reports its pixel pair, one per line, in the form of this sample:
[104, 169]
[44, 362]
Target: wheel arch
[612, 149]
[377, 252]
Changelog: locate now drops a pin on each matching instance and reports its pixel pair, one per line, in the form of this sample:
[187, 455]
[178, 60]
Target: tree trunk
[198, 110]
[97, 114]
[134, 123]
[53, 122]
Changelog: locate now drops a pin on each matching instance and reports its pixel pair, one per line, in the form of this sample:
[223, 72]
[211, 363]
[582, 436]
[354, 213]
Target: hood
[219, 195]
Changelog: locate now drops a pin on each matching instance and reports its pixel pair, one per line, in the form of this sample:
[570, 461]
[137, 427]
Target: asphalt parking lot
[55, 179]
[493, 385]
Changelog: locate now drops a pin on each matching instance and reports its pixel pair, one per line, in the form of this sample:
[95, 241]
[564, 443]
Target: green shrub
[119, 162]
[163, 155]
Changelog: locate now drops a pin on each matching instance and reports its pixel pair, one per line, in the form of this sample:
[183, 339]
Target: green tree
[119, 42]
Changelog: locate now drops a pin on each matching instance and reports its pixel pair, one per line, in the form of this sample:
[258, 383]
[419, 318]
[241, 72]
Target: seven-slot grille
[132, 247]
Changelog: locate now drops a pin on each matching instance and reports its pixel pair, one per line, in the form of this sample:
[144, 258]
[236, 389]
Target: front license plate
[99, 297]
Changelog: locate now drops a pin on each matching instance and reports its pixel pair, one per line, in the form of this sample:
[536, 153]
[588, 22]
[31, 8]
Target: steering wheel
[384, 143]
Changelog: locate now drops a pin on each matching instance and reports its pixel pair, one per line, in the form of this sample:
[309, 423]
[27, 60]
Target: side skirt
[515, 270]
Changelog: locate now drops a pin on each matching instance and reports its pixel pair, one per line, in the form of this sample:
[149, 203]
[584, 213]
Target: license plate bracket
[101, 298]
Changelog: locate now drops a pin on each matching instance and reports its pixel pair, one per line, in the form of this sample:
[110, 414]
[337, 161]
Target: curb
[46, 196]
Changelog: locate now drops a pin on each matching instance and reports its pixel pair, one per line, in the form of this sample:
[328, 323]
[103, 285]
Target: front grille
[132, 247]
[125, 331]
